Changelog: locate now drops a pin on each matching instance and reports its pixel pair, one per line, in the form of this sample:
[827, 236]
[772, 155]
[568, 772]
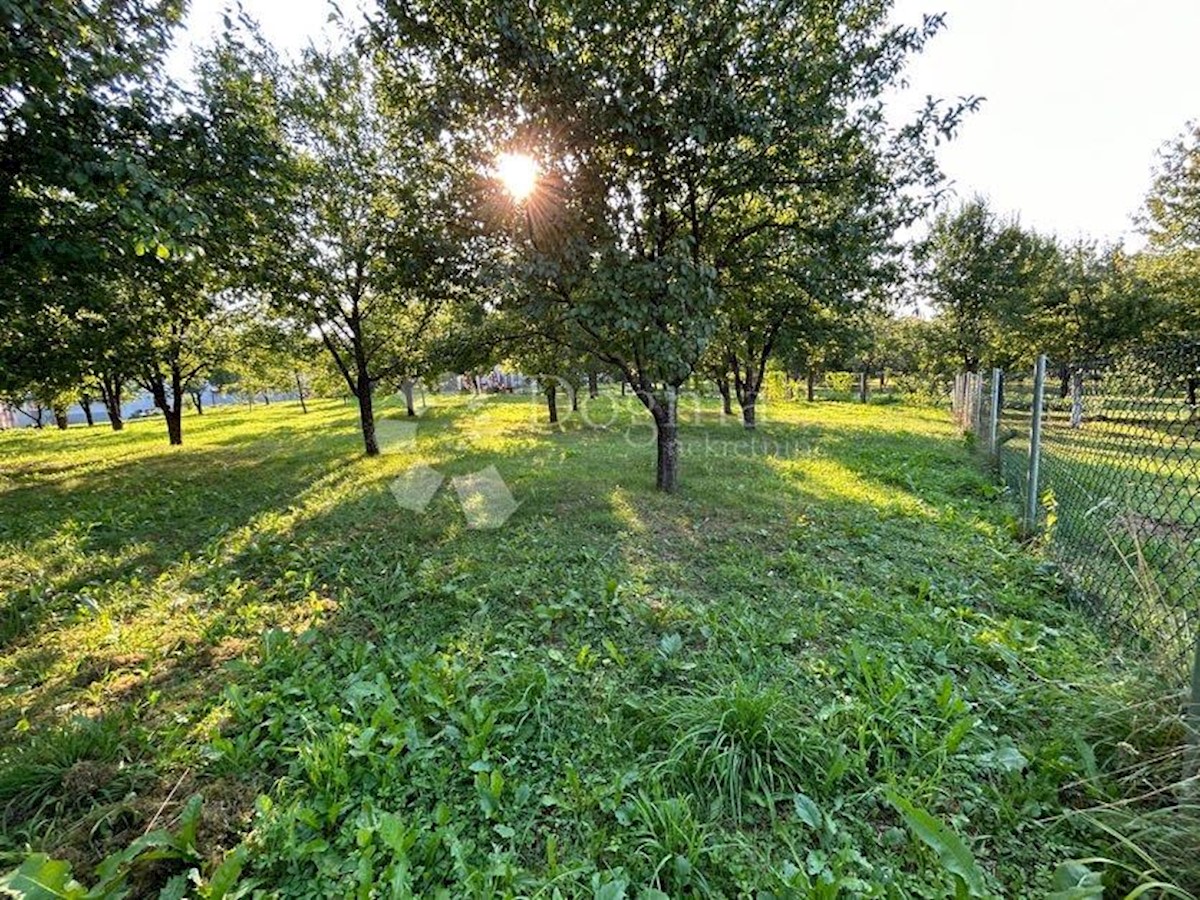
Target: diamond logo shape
[485, 499]
[415, 488]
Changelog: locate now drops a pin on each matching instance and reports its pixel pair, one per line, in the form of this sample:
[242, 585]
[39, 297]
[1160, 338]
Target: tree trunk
[366, 418]
[172, 411]
[810, 383]
[406, 387]
[862, 386]
[723, 389]
[1064, 375]
[666, 420]
[1192, 384]
[110, 395]
[174, 427]
[749, 414]
[198, 401]
[552, 402]
[266, 398]
[593, 385]
[363, 390]
[170, 416]
[85, 403]
[747, 395]
[574, 397]
[300, 393]
[60, 417]
[882, 378]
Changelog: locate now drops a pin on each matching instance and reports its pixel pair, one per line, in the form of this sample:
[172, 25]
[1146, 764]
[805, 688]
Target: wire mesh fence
[1115, 492]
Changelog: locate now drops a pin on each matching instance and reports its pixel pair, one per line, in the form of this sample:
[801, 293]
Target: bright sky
[1080, 94]
[288, 24]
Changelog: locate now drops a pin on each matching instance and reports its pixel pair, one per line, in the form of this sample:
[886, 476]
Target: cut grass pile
[825, 667]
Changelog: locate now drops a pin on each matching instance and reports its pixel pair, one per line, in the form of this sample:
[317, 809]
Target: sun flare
[518, 173]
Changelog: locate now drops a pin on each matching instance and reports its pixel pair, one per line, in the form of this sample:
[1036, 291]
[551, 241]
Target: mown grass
[616, 693]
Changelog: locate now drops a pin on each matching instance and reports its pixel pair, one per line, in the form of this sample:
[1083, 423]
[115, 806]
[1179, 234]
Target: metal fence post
[973, 403]
[969, 402]
[977, 405]
[994, 422]
[1035, 445]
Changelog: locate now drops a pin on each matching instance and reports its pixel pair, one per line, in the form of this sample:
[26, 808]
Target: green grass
[767, 685]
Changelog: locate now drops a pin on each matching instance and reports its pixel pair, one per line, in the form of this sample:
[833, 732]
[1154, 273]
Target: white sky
[1080, 94]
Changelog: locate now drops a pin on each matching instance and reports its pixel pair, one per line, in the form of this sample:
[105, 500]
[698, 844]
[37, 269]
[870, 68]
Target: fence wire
[1119, 484]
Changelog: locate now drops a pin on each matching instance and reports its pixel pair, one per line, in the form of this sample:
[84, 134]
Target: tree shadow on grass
[139, 517]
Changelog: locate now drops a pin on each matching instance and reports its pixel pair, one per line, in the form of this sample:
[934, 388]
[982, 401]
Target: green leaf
[156, 844]
[226, 875]
[1006, 759]
[41, 877]
[1075, 881]
[807, 810]
[670, 644]
[949, 847]
[612, 890]
[177, 886]
[617, 656]
[1087, 757]
[189, 822]
[163, 251]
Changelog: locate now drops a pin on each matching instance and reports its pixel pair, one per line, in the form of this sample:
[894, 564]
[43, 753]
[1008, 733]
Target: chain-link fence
[1107, 467]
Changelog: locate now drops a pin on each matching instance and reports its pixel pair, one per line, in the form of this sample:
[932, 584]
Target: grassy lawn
[803, 675]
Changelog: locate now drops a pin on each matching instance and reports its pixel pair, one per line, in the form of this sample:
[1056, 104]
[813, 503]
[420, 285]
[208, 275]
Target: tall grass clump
[736, 745]
[64, 770]
[1147, 818]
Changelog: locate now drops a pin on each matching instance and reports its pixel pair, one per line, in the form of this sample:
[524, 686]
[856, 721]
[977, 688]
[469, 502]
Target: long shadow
[144, 514]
